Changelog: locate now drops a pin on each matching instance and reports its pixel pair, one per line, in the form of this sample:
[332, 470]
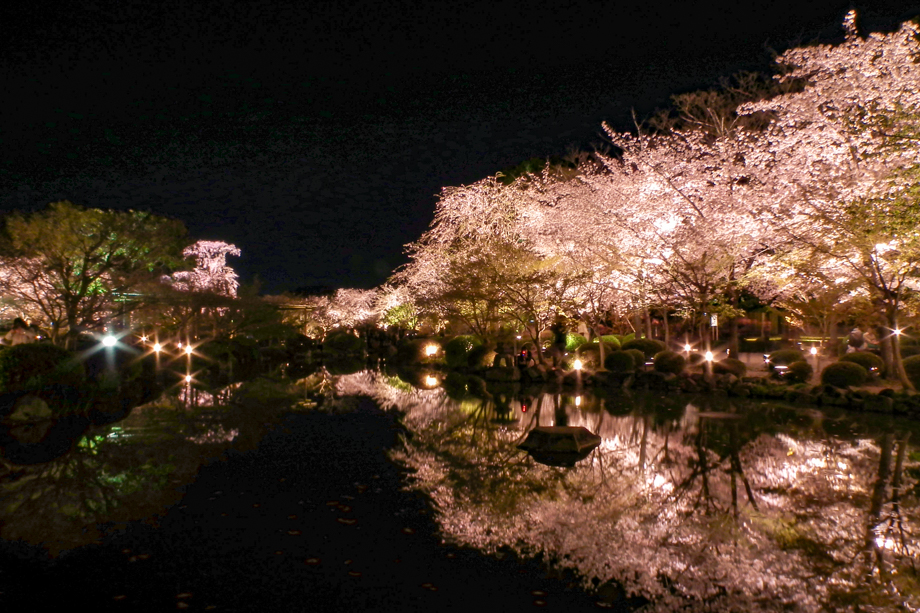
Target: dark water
[274, 494]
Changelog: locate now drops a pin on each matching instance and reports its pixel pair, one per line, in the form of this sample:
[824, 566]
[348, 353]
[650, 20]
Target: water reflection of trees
[130, 470]
[720, 507]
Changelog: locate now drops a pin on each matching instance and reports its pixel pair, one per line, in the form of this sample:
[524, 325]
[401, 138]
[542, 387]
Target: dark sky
[317, 135]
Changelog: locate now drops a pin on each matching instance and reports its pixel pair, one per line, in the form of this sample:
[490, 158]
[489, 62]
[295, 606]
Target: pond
[688, 503]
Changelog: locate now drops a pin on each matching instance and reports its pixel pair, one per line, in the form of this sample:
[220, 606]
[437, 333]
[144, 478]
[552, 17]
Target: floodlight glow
[814, 351]
[577, 401]
[144, 338]
[188, 378]
[578, 364]
[687, 347]
[708, 356]
[896, 332]
[188, 350]
[431, 349]
[109, 341]
[157, 347]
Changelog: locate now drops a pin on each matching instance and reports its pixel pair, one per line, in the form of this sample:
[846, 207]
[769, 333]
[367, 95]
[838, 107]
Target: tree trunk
[664, 323]
[894, 338]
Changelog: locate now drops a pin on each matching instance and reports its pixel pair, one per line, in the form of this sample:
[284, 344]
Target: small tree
[72, 263]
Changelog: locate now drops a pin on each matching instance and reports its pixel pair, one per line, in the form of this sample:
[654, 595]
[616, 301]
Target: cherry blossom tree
[839, 160]
[211, 273]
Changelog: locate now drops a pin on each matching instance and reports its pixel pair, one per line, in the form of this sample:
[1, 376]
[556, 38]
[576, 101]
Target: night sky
[317, 135]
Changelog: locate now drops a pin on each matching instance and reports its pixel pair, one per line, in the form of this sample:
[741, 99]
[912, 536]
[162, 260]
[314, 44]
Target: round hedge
[669, 362]
[785, 357]
[620, 362]
[844, 374]
[343, 342]
[729, 366]
[639, 358]
[912, 367]
[480, 356]
[590, 354]
[573, 341]
[647, 346]
[799, 372]
[866, 360]
[33, 366]
[610, 339]
[457, 350]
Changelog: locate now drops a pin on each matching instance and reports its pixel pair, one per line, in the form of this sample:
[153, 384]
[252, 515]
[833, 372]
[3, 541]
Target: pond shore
[314, 519]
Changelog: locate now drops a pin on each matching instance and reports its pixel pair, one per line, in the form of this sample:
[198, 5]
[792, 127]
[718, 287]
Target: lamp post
[708, 367]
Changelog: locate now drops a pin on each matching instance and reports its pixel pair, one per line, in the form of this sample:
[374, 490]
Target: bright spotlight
[157, 347]
[109, 341]
[188, 350]
[431, 350]
[687, 347]
[814, 351]
[188, 378]
[578, 364]
[708, 356]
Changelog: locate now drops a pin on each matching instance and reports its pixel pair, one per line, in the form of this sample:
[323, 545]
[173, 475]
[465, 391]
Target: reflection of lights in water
[687, 347]
[431, 349]
[577, 401]
[431, 381]
[143, 338]
[220, 435]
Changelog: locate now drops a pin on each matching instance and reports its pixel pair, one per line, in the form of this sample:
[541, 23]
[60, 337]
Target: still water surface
[687, 504]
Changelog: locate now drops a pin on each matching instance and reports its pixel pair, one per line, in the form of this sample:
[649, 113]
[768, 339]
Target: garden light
[708, 356]
[188, 378]
[578, 364]
[814, 351]
[431, 381]
[430, 350]
[577, 401]
[188, 350]
[109, 341]
[687, 347]
[157, 347]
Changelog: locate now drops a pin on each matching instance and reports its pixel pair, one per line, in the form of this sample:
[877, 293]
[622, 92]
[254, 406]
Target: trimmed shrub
[729, 366]
[639, 358]
[343, 342]
[785, 357]
[480, 356]
[573, 341]
[457, 350]
[695, 358]
[844, 374]
[912, 367]
[620, 362]
[867, 360]
[34, 366]
[669, 362]
[590, 353]
[799, 372]
[647, 346]
[610, 339]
